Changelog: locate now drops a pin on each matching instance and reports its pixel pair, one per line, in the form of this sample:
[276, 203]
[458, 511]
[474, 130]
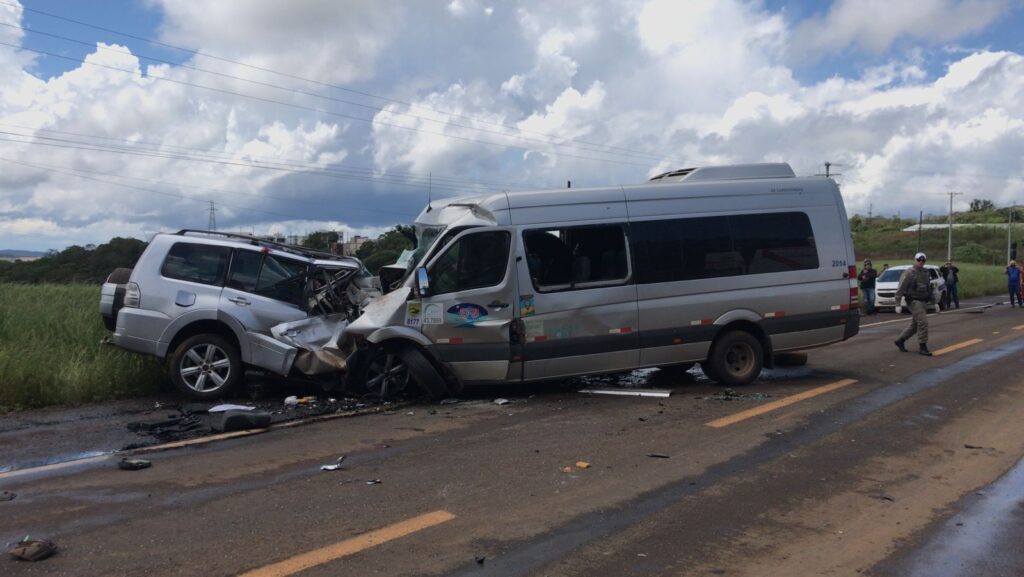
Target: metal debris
[658, 455]
[501, 401]
[32, 549]
[656, 393]
[7, 496]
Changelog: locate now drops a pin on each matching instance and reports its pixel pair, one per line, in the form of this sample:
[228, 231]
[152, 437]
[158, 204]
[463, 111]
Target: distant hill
[10, 253]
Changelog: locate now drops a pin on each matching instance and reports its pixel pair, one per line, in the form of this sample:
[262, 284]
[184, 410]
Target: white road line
[947, 313]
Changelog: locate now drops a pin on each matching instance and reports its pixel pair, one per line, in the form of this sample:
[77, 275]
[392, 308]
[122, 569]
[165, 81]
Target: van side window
[775, 242]
[718, 246]
[474, 261]
[201, 263]
[562, 258]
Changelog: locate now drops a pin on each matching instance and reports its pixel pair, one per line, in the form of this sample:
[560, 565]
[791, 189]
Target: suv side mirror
[422, 282]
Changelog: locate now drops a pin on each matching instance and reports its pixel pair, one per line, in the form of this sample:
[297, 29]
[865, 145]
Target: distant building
[350, 247]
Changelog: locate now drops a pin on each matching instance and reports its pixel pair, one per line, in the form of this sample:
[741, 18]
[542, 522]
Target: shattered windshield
[425, 238]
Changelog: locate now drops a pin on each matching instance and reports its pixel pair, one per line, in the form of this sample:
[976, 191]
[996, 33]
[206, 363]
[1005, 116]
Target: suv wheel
[736, 359]
[386, 373]
[205, 366]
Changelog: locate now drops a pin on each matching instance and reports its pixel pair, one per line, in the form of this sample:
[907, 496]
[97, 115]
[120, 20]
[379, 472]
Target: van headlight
[132, 295]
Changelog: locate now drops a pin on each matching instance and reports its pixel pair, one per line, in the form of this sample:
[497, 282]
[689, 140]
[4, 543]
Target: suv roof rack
[256, 241]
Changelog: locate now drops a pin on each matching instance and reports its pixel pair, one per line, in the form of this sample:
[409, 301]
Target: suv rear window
[200, 263]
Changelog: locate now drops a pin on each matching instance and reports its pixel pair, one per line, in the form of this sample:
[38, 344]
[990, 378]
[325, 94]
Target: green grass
[978, 280]
[50, 351]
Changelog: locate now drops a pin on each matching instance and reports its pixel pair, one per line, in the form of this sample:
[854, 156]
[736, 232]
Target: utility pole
[212, 223]
[920, 219]
[828, 165]
[949, 245]
[1009, 233]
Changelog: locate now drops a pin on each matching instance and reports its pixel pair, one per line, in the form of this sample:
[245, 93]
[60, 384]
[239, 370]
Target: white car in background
[888, 282]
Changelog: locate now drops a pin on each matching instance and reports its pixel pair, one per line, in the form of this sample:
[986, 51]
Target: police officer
[916, 286]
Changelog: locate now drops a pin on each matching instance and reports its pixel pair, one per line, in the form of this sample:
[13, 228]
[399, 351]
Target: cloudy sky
[121, 118]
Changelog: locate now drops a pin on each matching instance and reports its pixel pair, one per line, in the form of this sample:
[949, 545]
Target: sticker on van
[433, 314]
[466, 314]
[526, 303]
[413, 314]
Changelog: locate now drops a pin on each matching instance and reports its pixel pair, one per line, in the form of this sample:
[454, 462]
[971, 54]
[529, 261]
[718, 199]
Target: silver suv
[213, 304]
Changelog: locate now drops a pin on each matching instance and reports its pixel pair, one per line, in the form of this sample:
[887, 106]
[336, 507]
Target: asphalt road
[867, 461]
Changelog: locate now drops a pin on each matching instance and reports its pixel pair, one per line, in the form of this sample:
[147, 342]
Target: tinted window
[282, 279]
[473, 261]
[199, 263]
[777, 242]
[710, 247]
[564, 257]
[245, 269]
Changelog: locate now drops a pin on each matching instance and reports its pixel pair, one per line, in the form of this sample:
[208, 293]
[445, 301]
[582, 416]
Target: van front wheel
[386, 373]
[736, 359]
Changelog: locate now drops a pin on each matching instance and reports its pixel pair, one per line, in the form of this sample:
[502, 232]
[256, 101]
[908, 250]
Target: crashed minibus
[723, 266]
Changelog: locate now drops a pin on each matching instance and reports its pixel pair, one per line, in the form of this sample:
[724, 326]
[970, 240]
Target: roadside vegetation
[50, 351]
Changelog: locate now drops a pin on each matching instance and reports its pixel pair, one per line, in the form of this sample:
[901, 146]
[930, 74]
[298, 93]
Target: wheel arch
[207, 326]
[399, 339]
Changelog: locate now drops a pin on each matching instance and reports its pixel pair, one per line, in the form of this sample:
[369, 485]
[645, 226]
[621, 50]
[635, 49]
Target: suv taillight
[132, 295]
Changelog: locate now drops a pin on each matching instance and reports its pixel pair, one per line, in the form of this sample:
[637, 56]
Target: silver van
[214, 304]
[722, 266]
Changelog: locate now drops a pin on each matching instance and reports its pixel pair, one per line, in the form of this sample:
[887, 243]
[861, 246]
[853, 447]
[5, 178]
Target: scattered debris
[373, 482]
[336, 466]
[32, 549]
[230, 407]
[979, 447]
[480, 560]
[567, 469]
[582, 465]
[241, 421]
[134, 464]
[657, 393]
[291, 401]
[729, 394]
[658, 455]
[501, 401]
[449, 401]
[7, 496]
[173, 428]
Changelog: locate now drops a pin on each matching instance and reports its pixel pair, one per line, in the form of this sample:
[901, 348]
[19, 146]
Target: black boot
[924, 350]
[899, 345]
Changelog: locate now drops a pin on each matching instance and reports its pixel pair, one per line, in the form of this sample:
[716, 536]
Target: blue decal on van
[466, 314]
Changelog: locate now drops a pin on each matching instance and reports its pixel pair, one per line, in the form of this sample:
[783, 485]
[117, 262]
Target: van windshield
[426, 236]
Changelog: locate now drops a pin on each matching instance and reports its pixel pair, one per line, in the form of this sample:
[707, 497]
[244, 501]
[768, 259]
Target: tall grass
[50, 351]
[977, 280]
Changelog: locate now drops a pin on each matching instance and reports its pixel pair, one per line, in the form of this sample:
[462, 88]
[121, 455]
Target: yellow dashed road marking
[351, 546]
[785, 402]
[957, 346]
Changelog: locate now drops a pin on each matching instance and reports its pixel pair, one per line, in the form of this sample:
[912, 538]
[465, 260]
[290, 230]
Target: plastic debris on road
[501, 401]
[658, 455]
[133, 464]
[7, 496]
[230, 407]
[32, 549]
[373, 482]
[582, 465]
[335, 467]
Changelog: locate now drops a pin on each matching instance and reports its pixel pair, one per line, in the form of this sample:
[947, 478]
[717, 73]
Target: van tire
[200, 361]
[736, 359]
[384, 372]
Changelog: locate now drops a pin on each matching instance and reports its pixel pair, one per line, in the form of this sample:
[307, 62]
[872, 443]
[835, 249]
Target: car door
[264, 289]
[470, 310]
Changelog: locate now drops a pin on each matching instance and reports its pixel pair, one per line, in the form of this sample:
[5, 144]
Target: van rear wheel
[736, 359]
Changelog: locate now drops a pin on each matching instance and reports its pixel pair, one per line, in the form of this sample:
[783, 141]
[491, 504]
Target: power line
[321, 110]
[316, 82]
[76, 145]
[150, 190]
[208, 189]
[410, 176]
[591, 148]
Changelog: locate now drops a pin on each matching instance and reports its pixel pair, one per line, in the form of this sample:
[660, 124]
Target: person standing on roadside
[867, 278]
[951, 274]
[916, 286]
[1013, 283]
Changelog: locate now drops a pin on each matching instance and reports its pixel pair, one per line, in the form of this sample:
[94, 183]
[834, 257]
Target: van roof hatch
[727, 172]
